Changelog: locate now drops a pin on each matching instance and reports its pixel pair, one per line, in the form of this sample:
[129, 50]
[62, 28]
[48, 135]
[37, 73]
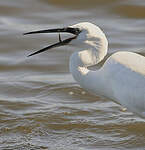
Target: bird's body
[121, 77]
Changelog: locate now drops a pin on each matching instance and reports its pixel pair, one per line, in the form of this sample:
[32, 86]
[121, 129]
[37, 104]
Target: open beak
[74, 31]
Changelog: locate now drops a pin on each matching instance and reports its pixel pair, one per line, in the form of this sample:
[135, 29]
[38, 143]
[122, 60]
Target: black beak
[74, 31]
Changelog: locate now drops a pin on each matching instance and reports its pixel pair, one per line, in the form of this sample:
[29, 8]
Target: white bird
[120, 78]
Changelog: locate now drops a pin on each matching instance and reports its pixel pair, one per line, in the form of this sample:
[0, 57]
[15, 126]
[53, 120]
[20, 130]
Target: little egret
[120, 78]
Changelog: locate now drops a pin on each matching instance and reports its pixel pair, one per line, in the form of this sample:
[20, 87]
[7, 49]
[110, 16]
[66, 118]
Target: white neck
[85, 77]
[80, 60]
[77, 67]
[94, 52]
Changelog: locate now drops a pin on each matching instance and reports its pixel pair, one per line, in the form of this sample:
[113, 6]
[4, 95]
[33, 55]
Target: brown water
[41, 106]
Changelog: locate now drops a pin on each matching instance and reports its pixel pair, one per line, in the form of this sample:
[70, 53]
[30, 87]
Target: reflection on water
[41, 106]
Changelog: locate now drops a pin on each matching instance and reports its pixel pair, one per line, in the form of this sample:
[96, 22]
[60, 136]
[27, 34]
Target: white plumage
[122, 76]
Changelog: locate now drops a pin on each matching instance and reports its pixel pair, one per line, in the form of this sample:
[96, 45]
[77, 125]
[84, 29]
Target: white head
[89, 38]
[92, 43]
[89, 33]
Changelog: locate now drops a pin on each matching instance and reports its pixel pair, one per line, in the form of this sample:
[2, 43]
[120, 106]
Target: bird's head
[84, 34]
[89, 34]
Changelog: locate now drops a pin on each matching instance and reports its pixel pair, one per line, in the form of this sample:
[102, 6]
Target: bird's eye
[78, 31]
